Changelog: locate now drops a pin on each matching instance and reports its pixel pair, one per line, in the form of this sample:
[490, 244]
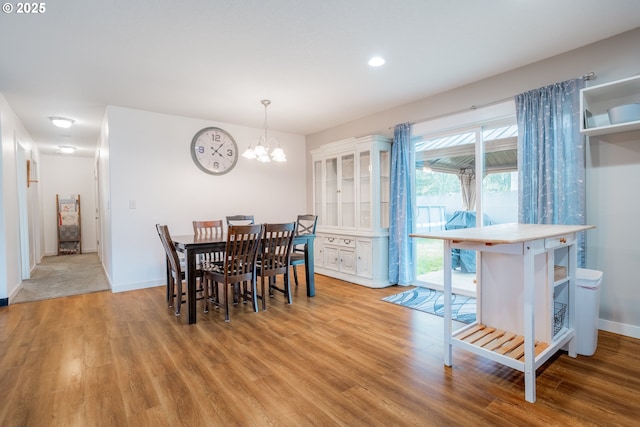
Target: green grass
[429, 255]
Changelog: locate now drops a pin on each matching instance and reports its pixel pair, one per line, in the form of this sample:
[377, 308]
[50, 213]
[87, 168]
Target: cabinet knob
[563, 240]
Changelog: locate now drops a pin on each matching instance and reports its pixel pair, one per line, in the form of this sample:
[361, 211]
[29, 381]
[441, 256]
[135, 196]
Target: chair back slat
[240, 220]
[306, 224]
[207, 228]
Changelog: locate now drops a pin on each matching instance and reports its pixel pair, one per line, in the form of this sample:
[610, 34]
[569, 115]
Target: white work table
[525, 294]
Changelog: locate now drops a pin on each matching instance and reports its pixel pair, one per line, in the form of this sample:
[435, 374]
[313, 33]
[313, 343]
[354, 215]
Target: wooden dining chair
[207, 228]
[240, 220]
[274, 259]
[306, 224]
[238, 267]
[176, 274]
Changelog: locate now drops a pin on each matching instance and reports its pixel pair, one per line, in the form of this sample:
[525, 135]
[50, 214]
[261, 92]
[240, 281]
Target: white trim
[619, 328]
[468, 118]
[136, 286]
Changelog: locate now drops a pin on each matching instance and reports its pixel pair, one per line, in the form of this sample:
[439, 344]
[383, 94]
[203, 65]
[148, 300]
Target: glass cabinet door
[385, 187]
[365, 220]
[317, 191]
[331, 183]
[348, 190]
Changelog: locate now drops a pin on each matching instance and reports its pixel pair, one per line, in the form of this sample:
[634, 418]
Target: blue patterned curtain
[551, 157]
[401, 214]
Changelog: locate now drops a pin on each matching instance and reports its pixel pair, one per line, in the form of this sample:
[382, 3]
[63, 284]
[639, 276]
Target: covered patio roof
[451, 153]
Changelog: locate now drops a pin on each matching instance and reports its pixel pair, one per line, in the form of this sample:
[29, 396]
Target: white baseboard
[15, 292]
[619, 328]
[135, 286]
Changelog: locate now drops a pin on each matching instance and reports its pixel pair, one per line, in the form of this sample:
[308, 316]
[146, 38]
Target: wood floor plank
[343, 358]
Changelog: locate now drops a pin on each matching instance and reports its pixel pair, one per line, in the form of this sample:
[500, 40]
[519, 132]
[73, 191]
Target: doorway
[463, 178]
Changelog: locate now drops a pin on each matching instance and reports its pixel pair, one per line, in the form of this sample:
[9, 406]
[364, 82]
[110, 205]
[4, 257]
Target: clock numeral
[215, 137]
[216, 165]
[230, 152]
[200, 149]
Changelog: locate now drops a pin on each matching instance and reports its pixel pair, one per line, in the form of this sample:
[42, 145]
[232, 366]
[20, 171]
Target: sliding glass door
[463, 178]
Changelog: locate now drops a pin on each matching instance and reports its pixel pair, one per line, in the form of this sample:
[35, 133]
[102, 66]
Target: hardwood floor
[342, 358]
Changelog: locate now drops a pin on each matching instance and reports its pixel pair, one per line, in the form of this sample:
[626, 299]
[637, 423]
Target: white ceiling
[216, 59]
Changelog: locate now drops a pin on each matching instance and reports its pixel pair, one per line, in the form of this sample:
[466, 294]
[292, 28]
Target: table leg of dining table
[190, 276]
[309, 270]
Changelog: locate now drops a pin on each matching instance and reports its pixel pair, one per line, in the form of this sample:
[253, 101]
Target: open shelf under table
[506, 347]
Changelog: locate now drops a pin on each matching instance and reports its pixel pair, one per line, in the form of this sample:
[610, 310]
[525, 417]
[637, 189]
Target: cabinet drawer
[558, 241]
[339, 241]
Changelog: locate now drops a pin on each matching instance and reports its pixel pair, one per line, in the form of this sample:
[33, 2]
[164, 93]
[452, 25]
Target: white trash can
[587, 310]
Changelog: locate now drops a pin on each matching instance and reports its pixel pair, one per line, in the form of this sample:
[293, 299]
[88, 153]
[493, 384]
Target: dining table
[191, 245]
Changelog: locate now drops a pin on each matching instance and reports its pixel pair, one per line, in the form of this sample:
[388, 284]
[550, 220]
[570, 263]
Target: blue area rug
[463, 308]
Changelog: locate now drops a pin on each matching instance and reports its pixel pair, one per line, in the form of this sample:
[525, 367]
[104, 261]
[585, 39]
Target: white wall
[64, 175]
[614, 163]
[613, 205]
[12, 133]
[149, 162]
[103, 213]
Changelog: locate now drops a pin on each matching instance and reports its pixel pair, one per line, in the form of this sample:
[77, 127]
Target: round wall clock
[214, 151]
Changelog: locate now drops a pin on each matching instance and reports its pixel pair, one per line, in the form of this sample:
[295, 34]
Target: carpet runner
[463, 308]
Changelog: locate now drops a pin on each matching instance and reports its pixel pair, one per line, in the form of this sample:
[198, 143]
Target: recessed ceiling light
[61, 122]
[376, 61]
[66, 149]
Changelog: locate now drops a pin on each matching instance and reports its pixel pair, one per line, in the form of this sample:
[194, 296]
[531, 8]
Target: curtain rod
[588, 76]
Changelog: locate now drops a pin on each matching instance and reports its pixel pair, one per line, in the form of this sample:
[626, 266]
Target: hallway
[65, 275]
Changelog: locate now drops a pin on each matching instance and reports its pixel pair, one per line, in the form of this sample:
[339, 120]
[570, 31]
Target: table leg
[309, 267]
[447, 303]
[529, 336]
[190, 276]
[573, 264]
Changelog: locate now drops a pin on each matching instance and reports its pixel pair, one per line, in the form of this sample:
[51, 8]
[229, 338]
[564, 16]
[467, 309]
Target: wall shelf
[596, 100]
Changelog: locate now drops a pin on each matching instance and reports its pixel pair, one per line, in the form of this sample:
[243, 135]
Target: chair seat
[214, 267]
[271, 265]
[218, 268]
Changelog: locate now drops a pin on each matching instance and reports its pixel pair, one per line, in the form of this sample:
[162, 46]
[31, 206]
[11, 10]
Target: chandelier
[261, 152]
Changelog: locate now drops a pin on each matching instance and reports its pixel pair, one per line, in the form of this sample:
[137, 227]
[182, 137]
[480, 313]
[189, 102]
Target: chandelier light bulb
[278, 155]
[249, 153]
[260, 150]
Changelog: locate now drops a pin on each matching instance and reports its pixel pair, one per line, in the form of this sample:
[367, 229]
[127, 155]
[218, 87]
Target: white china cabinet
[351, 198]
